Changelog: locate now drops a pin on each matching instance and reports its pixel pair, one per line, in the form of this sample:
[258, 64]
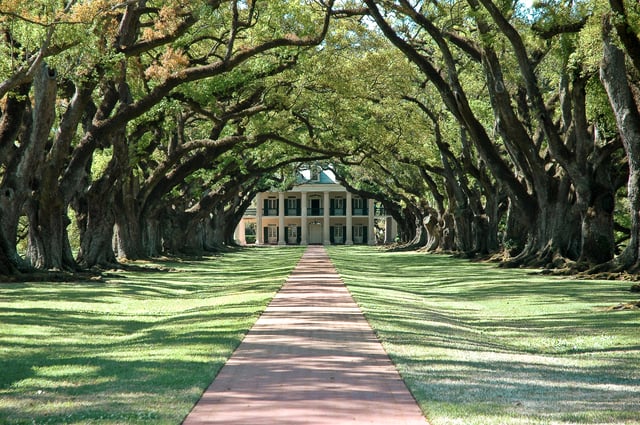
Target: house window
[272, 233]
[293, 234]
[292, 206]
[315, 206]
[358, 234]
[272, 206]
[358, 206]
[338, 234]
[338, 206]
[315, 174]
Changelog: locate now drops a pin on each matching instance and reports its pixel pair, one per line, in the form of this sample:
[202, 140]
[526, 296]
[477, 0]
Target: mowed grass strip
[138, 349]
[478, 345]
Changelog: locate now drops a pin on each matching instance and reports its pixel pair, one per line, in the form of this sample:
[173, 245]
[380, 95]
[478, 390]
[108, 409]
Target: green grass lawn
[488, 346]
[137, 349]
[475, 344]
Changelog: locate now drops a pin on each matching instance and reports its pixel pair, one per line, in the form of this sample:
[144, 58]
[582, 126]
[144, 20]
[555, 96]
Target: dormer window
[315, 174]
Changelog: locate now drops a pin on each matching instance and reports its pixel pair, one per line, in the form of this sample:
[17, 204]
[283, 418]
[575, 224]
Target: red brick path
[311, 358]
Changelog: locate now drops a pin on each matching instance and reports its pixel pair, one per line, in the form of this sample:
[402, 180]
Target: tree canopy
[485, 127]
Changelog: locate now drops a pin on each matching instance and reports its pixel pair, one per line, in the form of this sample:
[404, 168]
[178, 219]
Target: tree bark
[8, 264]
[432, 226]
[555, 234]
[614, 78]
[12, 194]
[516, 230]
[448, 233]
[96, 241]
[46, 245]
[129, 225]
[49, 245]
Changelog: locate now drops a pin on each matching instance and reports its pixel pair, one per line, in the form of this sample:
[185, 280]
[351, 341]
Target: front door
[315, 233]
[358, 234]
[272, 234]
[292, 234]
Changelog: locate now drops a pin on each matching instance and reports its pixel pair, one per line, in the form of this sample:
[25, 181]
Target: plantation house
[317, 210]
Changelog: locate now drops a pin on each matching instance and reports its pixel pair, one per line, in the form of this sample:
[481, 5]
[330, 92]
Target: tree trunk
[217, 229]
[8, 265]
[193, 237]
[127, 236]
[515, 234]
[448, 233]
[128, 231]
[97, 241]
[553, 237]
[481, 229]
[12, 118]
[614, 78]
[96, 246]
[11, 206]
[598, 240]
[48, 244]
[183, 234]
[434, 231]
[464, 239]
[96, 238]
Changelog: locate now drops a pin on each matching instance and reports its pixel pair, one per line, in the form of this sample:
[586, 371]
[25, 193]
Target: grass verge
[138, 349]
[478, 345]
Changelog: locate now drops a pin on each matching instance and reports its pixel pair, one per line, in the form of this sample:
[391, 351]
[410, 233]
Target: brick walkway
[311, 358]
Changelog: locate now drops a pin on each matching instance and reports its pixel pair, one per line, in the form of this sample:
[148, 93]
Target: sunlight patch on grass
[138, 349]
[481, 345]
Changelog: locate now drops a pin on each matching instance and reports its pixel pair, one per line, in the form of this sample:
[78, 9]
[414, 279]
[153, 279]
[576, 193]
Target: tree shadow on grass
[135, 376]
[481, 345]
[139, 348]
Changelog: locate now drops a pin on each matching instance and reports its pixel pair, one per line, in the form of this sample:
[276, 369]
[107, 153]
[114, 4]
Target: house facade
[318, 210]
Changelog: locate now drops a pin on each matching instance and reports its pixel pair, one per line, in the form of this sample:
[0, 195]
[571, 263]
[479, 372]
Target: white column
[325, 224]
[394, 229]
[349, 226]
[282, 232]
[259, 231]
[239, 234]
[389, 236]
[371, 225]
[303, 220]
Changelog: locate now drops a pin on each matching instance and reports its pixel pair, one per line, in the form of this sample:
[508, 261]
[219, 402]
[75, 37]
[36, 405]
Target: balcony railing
[314, 212]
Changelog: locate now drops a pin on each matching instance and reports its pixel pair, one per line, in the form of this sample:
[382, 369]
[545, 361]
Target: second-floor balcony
[319, 212]
[316, 208]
